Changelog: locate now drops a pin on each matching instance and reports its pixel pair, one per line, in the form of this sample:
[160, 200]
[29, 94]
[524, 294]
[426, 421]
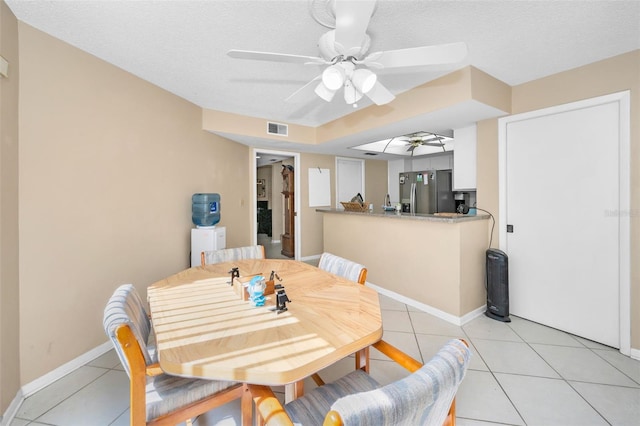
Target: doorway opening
[349, 179]
[274, 211]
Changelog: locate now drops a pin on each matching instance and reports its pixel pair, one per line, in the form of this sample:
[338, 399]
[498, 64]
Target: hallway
[272, 250]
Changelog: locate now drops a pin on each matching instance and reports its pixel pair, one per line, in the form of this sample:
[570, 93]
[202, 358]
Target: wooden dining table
[204, 329]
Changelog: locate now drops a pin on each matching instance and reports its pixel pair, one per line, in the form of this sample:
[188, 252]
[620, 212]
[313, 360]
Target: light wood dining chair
[343, 267]
[230, 254]
[156, 398]
[424, 397]
[352, 271]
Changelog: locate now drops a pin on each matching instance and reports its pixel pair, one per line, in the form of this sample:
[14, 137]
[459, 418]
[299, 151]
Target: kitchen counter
[436, 263]
[438, 217]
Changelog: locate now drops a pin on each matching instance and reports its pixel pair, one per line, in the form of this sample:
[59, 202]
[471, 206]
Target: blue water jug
[205, 209]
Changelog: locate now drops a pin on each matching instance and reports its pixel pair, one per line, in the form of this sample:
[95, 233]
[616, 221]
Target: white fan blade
[304, 92]
[371, 61]
[352, 20]
[418, 56]
[275, 57]
[380, 95]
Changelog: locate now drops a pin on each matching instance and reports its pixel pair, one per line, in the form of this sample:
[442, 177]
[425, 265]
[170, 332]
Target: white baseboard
[472, 315]
[12, 409]
[429, 309]
[634, 353]
[44, 381]
[308, 258]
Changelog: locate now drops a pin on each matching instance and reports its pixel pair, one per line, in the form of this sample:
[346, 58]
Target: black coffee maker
[461, 199]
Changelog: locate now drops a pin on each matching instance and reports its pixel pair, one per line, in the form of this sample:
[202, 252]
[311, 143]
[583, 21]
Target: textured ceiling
[181, 45]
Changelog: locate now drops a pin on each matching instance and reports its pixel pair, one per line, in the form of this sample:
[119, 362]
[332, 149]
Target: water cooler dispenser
[205, 214]
[497, 264]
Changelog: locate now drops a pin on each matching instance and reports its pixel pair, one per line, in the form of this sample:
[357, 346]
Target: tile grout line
[557, 372]
[595, 352]
[587, 349]
[494, 377]
[468, 338]
[106, 371]
[118, 416]
[415, 338]
[588, 403]
[487, 421]
[536, 352]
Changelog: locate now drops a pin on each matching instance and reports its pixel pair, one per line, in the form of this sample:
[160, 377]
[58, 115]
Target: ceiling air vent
[371, 153]
[277, 129]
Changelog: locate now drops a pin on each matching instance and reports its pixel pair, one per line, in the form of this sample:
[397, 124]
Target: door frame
[296, 199]
[624, 207]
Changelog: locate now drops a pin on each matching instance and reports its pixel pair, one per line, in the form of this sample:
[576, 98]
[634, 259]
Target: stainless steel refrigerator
[428, 191]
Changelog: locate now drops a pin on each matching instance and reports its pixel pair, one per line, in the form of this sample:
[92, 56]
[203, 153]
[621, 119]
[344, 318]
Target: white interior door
[349, 179]
[562, 199]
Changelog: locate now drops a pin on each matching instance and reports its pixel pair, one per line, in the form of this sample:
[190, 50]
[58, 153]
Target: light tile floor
[522, 373]
[272, 250]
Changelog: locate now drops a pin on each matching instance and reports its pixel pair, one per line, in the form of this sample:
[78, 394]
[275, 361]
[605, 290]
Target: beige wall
[9, 278]
[226, 122]
[465, 84]
[473, 245]
[311, 221]
[108, 164]
[436, 263]
[487, 172]
[462, 85]
[375, 185]
[604, 77]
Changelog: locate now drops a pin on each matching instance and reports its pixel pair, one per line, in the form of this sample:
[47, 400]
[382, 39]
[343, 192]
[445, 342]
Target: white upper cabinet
[442, 161]
[464, 158]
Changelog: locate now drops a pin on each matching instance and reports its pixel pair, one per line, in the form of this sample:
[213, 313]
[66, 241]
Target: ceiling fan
[414, 140]
[344, 52]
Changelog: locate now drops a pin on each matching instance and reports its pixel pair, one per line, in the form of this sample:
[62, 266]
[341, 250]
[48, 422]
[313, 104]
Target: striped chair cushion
[230, 254]
[340, 266]
[166, 393]
[311, 408]
[151, 347]
[151, 340]
[125, 307]
[422, 398]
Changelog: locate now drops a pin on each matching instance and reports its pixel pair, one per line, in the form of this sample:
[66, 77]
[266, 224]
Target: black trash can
[497, 264]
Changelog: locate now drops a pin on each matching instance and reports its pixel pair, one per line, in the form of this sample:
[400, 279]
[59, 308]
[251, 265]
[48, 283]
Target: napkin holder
[241, 290]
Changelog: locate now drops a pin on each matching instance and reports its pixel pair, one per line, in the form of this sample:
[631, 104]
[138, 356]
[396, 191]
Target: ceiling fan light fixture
[364, 80]
[351, 93]
[333, 77]
[323, 92]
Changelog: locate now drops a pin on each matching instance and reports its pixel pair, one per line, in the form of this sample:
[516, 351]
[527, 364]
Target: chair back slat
[343, 267]
[422, 398]
[231, 254]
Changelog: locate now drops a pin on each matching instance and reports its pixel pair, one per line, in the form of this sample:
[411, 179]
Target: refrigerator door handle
[412, 208]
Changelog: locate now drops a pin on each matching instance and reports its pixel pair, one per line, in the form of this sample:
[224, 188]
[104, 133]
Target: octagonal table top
[205, 330]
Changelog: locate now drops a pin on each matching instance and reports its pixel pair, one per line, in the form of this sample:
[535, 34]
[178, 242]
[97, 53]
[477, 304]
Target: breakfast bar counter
[437, 217]
[436, 261]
